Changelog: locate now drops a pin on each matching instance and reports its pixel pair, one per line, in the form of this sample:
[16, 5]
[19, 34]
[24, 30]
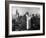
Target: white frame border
[25, 32]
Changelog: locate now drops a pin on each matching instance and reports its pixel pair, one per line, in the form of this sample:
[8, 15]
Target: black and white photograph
[25, 19]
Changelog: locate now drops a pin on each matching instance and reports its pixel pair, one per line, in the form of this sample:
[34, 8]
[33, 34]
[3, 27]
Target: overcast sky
[23, 10]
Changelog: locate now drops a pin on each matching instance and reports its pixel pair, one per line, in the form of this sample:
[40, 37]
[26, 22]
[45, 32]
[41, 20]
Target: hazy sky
[23, 10]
